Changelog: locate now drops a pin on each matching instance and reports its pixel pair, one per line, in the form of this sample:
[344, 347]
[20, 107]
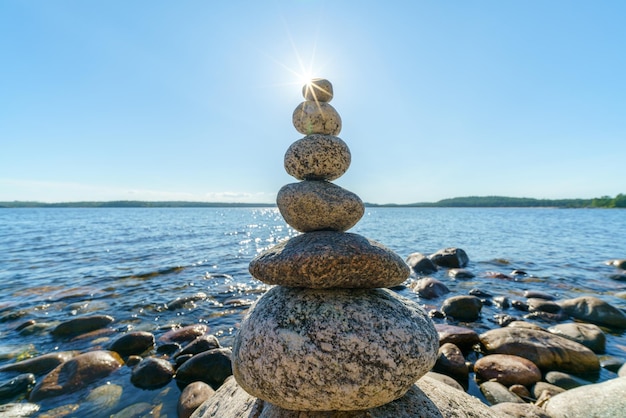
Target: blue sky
[192, 100]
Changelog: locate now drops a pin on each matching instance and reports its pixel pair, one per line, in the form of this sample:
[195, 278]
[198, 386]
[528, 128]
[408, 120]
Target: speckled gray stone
[332, 349]
[318, 90]
[428, 398]
[319, 205]
[316, 118]
[325, 259]
[317, 157]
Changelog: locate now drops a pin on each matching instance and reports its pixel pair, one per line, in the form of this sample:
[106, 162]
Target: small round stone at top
[318, 89]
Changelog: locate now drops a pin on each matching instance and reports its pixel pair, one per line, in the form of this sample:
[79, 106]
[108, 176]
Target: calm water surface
[132, 263]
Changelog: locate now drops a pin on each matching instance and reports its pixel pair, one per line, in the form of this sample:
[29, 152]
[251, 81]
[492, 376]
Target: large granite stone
[332, 349]
[317, 157]
[546, 350]
[606, 399]
[318, 90]
[312, 117]
[319, 205]
[428, 398]
[325, 259]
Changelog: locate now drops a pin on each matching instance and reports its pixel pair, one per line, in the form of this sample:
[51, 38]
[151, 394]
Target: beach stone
[565, 380]
[17, 385]
[507, 369]
[76, 373]
[450, 258]
[606, 399]
[611, 363]
[152, 373]
[136, 342]
[327, 259]
[520, 390]
[622, 371]
[460, 273]
[496, 393]
[40, 365]
[524, 324]
[421, 264]
[519, 410]
[460, 336]
[450, 381]
[316, 118]
[542, 305]
[184, 334]
[451, 362]
[538, 388]
[18, 410]
[199, 345]
[589, 335]
[102, 400]
[429, 288]
[620, 264]
[185, 301]
[538, 294]
[462, 307]
[332, 349]
[211, 367]
[318, 90]
[594, 310]
[547, 351]
[192, 397]
[81, 325]
[312, 205]
[428, 398]
[317, 157]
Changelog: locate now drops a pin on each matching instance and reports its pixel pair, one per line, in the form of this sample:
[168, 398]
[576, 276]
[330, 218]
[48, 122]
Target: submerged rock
[16, 386]
[39, 365]
[336, 349]
[76, 374]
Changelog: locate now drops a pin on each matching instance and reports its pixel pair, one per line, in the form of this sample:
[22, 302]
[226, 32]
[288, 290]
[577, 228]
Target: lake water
[130, 263]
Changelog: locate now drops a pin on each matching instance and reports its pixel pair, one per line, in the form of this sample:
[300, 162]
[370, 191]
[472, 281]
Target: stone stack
[329, 336]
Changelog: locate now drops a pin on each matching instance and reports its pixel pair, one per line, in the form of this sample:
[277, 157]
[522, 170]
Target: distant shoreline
[459, 202]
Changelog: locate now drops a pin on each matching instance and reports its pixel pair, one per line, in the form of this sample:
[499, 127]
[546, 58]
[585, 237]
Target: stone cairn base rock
[329, 336]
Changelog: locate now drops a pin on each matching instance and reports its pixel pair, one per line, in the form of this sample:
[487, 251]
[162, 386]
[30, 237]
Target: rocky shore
[520, 368]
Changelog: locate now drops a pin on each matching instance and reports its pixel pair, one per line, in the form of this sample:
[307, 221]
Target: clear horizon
[192, 101]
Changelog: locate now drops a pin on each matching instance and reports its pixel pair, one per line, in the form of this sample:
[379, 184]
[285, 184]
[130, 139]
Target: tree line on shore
[618, 201]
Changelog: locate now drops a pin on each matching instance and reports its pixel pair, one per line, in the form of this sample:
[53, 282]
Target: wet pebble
[82, 325]
[152, 373]
[462, 308]
[133, 343]
[192, 397]
[507, 369]
[211, 367]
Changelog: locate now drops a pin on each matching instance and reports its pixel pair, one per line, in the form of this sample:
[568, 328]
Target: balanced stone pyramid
[330, 336]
